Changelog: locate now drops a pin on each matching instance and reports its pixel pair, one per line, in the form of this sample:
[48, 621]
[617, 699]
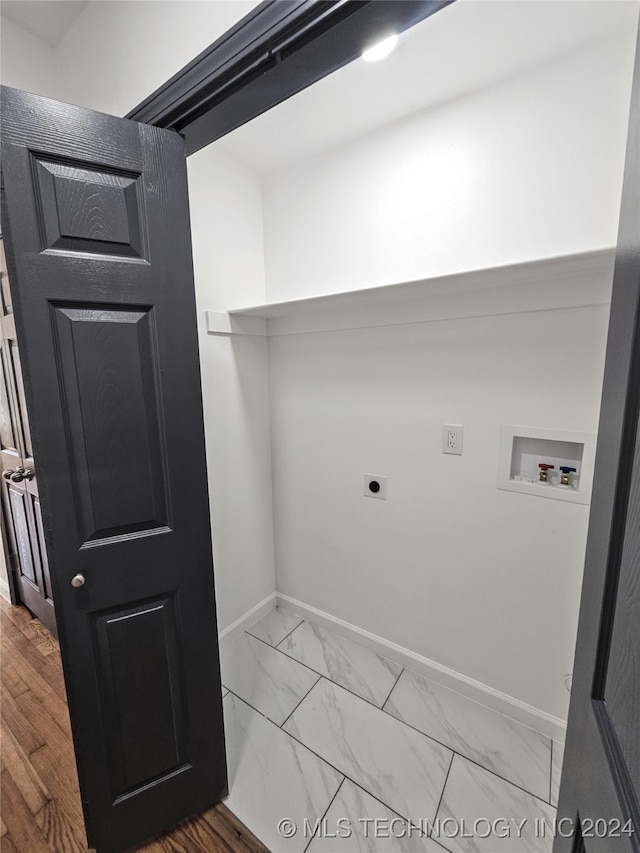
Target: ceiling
[466, 47]
[46, 19]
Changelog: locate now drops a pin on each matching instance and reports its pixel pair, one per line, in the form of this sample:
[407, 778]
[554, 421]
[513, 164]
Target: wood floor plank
[41, 638]
[7, 844]
[39, 687]
[12, 681]
[62, 781]
[27, 781]
[25, 732]
[36, 710]
[54, 761]
[199, 835]
[41, 805]
[215, 831]
[58, 831]
[34, 665]
[20, 822]
[18, 615]
[231, 833]
[189, 836]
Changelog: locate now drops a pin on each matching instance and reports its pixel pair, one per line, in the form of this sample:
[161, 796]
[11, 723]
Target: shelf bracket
[222, 323]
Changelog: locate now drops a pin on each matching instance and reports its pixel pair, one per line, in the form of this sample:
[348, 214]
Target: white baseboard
[523, 713]
[257, 612]
[4, 590]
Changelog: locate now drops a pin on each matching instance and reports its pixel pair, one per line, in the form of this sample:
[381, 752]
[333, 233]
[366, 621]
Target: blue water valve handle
[566, 470]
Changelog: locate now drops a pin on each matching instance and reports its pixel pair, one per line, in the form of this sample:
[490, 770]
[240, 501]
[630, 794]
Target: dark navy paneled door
[599, 805]
[96, 230]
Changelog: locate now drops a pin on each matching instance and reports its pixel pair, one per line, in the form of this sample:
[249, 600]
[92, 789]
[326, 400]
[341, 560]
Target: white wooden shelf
[562, 282]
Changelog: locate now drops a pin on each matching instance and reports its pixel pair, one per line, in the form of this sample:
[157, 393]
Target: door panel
[7, 434]
[600, 788]
[21, 529]
[15, 369]
[139, 640]
[623, 665]
[88, 211]
[5, 290]
[27, 559]
[10, 429]
[102, 284]
[42, 549]
[108, 374]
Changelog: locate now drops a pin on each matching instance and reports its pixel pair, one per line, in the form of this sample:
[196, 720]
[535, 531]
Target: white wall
[26, 62]
[116, 54]
[530, 168]
[481, 581]
[226, 204]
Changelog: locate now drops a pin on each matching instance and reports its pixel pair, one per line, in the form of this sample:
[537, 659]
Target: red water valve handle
[545, 467]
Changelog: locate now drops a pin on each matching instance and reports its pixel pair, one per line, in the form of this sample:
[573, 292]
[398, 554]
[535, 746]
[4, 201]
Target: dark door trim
[595, 777]
[278, 49]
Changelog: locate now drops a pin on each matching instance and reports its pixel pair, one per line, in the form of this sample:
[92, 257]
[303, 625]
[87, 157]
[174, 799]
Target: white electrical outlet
[375, 486]
[452, 439]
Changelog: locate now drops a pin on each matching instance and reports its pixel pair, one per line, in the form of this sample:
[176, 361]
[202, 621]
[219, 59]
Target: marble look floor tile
[269, 681]
[556, 770]
[358, 823]
[353, 666]
[474, 799]
[503, 746]
[395, 763]
[275, 626]
[272, 777]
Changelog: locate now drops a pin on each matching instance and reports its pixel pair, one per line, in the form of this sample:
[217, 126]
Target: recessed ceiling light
[380, 50]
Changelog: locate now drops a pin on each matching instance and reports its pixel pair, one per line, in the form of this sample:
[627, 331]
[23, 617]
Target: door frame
[283, 46]
[277, 50]
[9, 559]
[615, 451]
[280, 48]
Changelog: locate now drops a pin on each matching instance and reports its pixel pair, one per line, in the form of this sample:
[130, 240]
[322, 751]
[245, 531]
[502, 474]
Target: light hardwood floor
[40, 806]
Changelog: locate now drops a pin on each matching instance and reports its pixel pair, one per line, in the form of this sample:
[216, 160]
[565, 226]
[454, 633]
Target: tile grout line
[404, 669]
[346, 776]
[324, 760]
[248, 631]
[326, 812]
[276, 649]
[435, 817]
[395, 684]
[236, 696]
[300, 702]
[328, 677]
[440, 743]
[466, 757]
[362, 787]
[286, 637]
[403, 722]
[320, 674]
